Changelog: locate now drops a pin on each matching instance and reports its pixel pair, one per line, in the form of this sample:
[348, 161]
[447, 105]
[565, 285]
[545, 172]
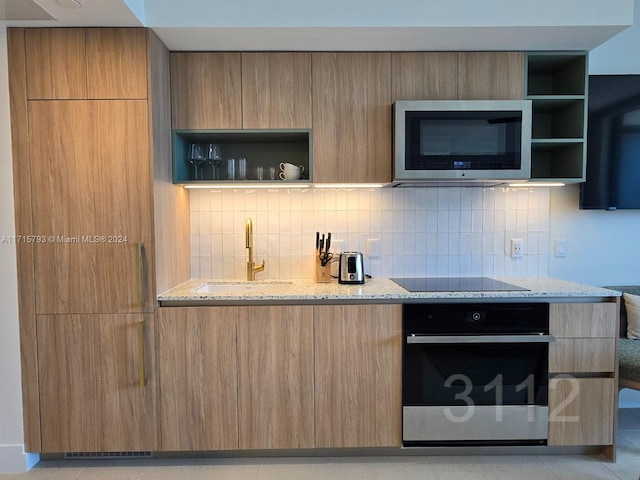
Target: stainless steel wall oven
[475, 374]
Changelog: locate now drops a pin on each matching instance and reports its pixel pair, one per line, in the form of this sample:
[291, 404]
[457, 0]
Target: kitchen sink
[244, 287]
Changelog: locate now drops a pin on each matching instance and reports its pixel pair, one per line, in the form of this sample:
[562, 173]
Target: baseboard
[13, 459]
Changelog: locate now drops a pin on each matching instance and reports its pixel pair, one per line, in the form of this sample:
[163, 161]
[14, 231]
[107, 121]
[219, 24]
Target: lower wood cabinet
[584, 355]
[97, 390]
[197, 372]
[275, 377]
[279, 377]
[581, 411]
[358, 375]
[582, 362]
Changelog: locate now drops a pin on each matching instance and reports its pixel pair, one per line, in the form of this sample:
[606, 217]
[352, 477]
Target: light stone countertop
[377, 290]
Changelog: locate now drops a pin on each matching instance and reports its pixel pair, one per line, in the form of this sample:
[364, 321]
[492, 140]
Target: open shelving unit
[266, 148]
[556, 84]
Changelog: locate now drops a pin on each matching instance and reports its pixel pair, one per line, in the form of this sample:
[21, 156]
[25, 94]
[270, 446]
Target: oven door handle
[480, 338]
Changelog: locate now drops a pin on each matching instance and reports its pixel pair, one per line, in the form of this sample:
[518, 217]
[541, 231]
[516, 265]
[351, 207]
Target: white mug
[290, 170]
[289, 175]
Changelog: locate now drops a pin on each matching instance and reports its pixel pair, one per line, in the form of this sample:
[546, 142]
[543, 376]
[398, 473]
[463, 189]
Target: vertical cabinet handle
[142, 370]
[141, 291]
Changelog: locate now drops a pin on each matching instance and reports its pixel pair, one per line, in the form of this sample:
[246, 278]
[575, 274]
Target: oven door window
[475, 374]
[462, 140]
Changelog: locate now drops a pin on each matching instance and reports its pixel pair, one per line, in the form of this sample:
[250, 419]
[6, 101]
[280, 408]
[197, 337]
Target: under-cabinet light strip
[250, 185]
[537, 184]
[285, 185]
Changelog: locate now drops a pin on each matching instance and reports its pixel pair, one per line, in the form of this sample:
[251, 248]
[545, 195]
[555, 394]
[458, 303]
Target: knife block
[322, 274]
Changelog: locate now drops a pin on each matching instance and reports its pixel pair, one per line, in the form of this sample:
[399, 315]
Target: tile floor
[507, 467]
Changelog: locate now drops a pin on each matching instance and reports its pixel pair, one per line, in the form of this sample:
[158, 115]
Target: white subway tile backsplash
[422, 231]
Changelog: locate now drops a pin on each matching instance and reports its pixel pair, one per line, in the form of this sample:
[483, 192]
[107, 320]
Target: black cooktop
[456, 284]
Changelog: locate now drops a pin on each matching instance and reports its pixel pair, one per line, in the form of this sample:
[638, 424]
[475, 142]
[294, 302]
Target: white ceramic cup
[289, 171]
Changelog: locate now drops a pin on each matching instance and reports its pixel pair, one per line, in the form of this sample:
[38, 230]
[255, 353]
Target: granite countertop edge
[375, 290]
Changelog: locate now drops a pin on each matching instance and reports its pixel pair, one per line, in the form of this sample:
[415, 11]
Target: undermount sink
[244, 287]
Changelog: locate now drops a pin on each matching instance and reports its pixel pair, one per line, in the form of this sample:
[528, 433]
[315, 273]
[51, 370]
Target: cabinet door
[116, 63]
[425, 75]
[581, 411]
[55, 61]
[358, 375]
[197, 378]
[275, 377]
[351, 117]
[276, 90]
[582, 355]
[206, 90]
[91, 197]
[491, 76]
[583, 320]
[585, 337]
[91, 374]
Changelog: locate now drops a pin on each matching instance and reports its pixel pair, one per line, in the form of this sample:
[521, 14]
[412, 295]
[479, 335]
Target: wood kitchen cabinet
[581, 411]
[490, 75]
[358, 351]
[198, 403]
[91, 169]
[424, 75]
[276, 90]
[86, 63]
[583, 367]
[96, 391]
[206, 90]
[351, 117]
[92, 196]
[236, 91]
[275, 377]
[585, 337]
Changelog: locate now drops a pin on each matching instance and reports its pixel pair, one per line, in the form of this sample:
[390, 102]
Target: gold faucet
[252, 269]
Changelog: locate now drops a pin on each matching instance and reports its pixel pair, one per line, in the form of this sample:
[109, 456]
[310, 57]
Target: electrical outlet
[373, 247]
[517, 247]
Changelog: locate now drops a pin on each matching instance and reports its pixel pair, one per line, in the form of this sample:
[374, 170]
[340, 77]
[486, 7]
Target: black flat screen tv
[613, 144]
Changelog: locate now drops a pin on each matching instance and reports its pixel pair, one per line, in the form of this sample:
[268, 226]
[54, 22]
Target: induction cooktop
[456, 284]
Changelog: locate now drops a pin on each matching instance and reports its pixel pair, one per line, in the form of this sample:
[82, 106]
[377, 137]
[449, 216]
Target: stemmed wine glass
[196, 158]
[214, 158]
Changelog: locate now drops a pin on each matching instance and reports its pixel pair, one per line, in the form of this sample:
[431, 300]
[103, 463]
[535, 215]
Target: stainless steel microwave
[461, 141]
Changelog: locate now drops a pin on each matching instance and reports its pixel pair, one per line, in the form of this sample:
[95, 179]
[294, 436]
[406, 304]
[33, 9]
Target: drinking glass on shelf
[196, 158]
[241, 169]
[231, 168]
[214, 158]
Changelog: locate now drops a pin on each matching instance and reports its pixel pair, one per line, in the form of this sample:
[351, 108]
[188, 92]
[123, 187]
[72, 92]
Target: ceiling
[359, 25]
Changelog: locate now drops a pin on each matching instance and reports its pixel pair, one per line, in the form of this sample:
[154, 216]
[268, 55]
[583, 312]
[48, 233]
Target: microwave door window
[460, 137]
[463, 140]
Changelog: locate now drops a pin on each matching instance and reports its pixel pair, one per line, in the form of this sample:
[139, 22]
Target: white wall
[12, 458]
[603, 247]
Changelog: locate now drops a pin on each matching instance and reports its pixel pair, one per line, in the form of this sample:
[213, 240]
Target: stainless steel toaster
[351, 268]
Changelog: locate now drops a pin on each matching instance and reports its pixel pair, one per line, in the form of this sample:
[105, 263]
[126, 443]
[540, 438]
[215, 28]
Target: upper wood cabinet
[351, 117]
[96, 382]
[198, 388]
[234, 91]
[92, 201]
[491, 76]
[275, 377]
[116, 63]
[358, 375]
[206, 90]
[424, 76]
[276, 90]
[76, 63]
[56, 63]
